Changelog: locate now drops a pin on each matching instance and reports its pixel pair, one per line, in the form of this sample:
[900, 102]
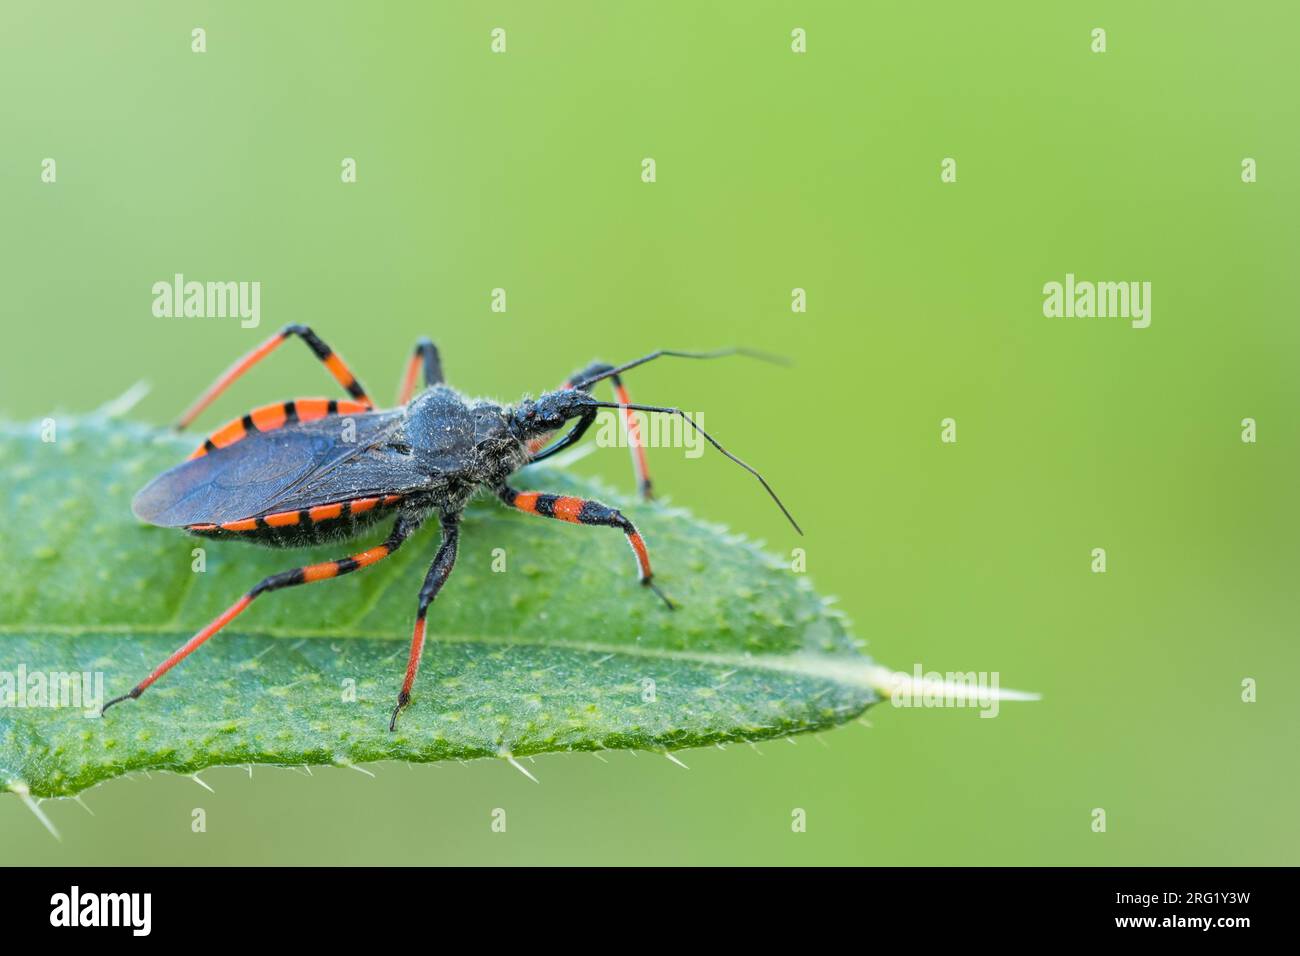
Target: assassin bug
[284, 474]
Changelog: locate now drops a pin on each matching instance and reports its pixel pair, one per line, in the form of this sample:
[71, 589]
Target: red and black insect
[288, 474]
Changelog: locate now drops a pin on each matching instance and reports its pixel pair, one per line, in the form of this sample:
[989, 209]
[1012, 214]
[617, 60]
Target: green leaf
[556, 653]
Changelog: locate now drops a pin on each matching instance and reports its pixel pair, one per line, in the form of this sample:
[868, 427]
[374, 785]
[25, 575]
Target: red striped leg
[328, 356]
[270, 417]
[439, 571]
[585, 511]
[424, 357]
[305, 575]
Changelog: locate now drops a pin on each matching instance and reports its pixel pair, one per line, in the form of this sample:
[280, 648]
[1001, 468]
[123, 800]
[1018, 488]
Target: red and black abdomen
[304, 526]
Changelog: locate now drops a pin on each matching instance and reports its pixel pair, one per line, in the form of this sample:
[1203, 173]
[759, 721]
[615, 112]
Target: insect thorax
[461, 443]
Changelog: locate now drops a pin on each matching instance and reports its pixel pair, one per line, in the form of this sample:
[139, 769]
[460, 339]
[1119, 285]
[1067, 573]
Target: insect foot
[402, 700]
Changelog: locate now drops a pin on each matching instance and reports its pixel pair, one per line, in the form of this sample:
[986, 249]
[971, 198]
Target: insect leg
[631, 425]
[439, 571]
[305, 575]
[425, 356]
[270, 417]
[585, 511]
[328, 356]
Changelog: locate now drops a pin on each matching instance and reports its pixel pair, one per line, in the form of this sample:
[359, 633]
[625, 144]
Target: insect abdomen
[341, 519]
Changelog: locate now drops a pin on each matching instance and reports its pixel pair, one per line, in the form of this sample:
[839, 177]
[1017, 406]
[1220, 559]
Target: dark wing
[289, 468]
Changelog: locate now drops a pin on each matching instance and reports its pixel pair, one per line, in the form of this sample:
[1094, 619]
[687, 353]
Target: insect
[289, 474]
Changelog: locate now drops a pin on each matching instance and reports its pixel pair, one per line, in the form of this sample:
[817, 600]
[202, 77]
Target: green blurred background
[774, 170]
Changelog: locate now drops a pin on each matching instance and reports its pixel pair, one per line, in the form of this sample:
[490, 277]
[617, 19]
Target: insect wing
[268, 471]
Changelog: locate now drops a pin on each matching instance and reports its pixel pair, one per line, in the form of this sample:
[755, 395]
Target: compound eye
[531, 414]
